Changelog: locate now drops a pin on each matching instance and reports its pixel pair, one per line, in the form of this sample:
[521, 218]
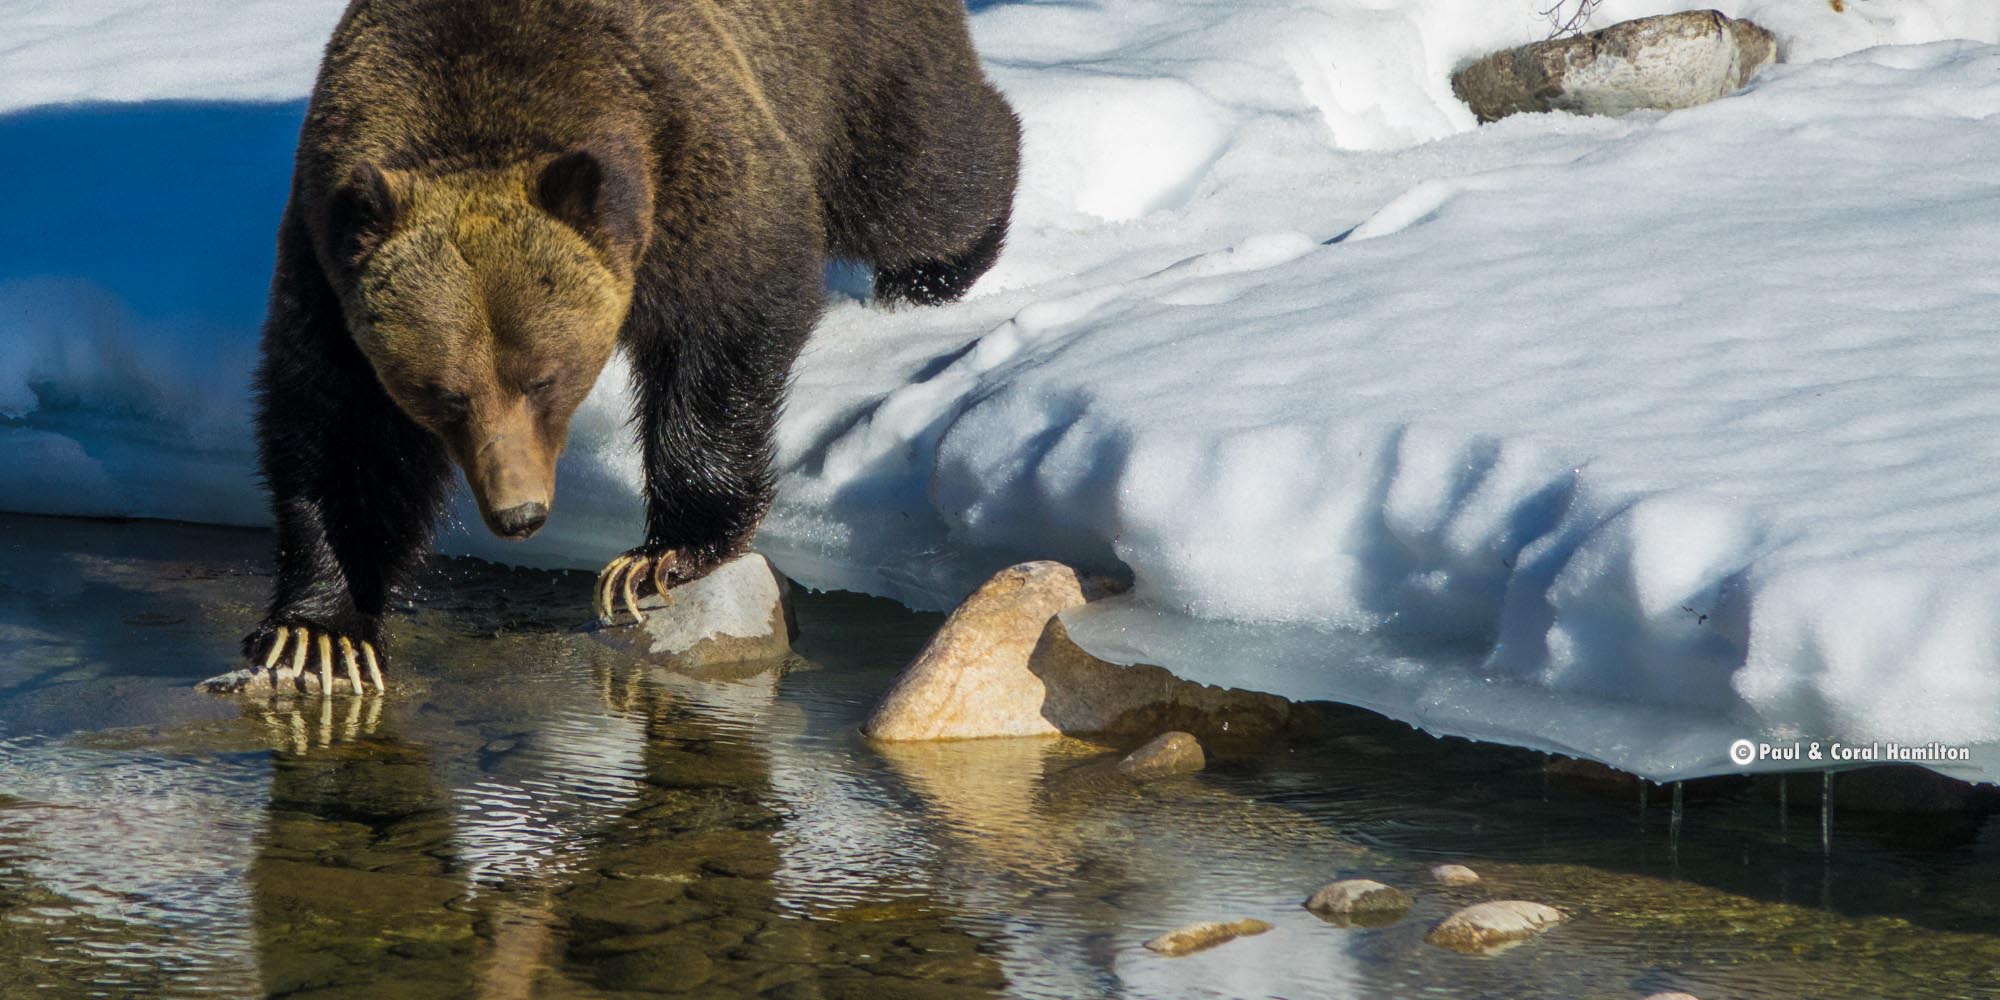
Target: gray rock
[1004, 665]
[1493, 926]
[740, 612]
[1359, 902]
[1665, 62]
[1167, 753]
[1198, 937]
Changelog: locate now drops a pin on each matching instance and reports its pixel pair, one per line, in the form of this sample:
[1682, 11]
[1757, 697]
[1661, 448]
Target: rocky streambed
[541, 811]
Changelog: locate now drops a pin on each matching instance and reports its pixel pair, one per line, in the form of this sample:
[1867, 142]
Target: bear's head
[487, 302]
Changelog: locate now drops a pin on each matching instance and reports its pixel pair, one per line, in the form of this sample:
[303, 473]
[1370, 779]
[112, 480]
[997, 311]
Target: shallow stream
[530, 813]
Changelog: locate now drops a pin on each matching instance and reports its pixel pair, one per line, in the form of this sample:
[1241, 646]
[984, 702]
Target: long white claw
[353, 668]
[325, 667]
[606, 587]
[298, 666]
[374, 667]
[277, 647]
[630, 589]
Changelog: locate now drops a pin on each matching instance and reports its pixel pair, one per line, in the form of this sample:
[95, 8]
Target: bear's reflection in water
[570, 849]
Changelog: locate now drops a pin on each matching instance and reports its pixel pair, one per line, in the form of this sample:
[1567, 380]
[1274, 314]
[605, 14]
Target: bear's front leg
[355, 488]
[708, 399]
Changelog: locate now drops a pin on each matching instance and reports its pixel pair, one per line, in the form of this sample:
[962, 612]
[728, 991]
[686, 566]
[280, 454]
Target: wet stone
[1454, 875]
[1167, 753]
[1359, 902]
[1003, 664]
[1199, 937]
[662, 968]
[1494, 925]
[739, 612]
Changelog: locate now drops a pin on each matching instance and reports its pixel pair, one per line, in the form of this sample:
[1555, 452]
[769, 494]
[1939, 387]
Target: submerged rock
[1454, 875]
[1491, 926]
[739, 612]
[1197, 937]
[1003, 665]
[1360, 902]
[1167, 753]
[1665, 62]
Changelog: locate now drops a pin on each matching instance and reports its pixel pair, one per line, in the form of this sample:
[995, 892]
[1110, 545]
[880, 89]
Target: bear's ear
[596, 195]
[362, 214]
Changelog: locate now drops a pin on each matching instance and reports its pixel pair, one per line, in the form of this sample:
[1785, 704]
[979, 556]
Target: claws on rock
[619, 584]
[295, 648]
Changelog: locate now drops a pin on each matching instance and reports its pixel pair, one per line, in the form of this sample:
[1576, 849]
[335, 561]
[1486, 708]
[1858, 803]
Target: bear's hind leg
[928, 195]
[935, 282]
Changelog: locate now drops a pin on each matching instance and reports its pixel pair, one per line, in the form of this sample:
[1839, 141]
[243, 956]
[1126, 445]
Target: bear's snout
[518, 523]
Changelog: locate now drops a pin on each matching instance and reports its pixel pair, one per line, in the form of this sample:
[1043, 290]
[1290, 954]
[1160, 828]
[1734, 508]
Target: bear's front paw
[303, 657]
[647, 570]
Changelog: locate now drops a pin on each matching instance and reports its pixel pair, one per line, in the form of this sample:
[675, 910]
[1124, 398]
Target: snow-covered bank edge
[1673, 421]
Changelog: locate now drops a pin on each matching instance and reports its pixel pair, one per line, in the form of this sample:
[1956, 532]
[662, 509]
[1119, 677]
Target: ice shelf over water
[1649, 431]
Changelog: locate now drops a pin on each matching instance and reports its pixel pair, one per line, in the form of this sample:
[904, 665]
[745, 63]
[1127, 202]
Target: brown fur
[491, 195]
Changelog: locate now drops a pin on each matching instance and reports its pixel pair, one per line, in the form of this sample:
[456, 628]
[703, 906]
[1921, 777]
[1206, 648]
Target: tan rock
[1003, 665]
[1197, 937]
[1359, 902]
[739, 613]
[1454, 875]
[1167, 753]
[1666, 62]
[1494, 925]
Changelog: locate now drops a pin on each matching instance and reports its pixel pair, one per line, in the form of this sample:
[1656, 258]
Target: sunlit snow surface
[1642, 432]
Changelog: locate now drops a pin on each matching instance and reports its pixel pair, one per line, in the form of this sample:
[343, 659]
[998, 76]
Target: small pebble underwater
[532, 813]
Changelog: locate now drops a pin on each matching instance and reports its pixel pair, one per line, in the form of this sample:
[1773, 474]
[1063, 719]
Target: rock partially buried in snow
[1492, 926]
[1454, 875]
[1197, 937]
[1359, 902]
[741, 611]
[1167, 753]
[1003, 665]
[1665, 62]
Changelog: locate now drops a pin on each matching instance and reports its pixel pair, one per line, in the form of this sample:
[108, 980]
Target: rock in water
[1664, 62]
[1454, 875]
[1167, 753]
[1492, 926]
[1197, 937]
[1003, 665]
[1359, 902]
[1672, 996]
[741, 611]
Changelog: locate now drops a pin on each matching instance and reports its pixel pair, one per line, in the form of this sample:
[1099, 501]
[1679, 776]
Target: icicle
[1826, 813]
[1784, 809]
[1674, 830]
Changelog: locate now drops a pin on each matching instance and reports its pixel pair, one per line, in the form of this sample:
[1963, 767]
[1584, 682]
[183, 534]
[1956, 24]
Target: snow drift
[1621, 437]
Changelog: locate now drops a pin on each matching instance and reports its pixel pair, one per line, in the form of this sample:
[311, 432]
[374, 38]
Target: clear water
[532, 814]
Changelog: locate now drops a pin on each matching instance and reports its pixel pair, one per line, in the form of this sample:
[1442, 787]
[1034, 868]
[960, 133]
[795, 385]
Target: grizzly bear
[490, 196]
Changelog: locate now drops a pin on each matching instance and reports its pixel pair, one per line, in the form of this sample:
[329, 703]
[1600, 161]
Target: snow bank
[1664, 425]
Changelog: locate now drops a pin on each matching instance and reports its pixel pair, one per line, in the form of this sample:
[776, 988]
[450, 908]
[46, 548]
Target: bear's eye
[542, 386]
[453, 404]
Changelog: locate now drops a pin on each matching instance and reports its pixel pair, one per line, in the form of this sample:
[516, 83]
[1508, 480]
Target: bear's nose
[519, 522]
